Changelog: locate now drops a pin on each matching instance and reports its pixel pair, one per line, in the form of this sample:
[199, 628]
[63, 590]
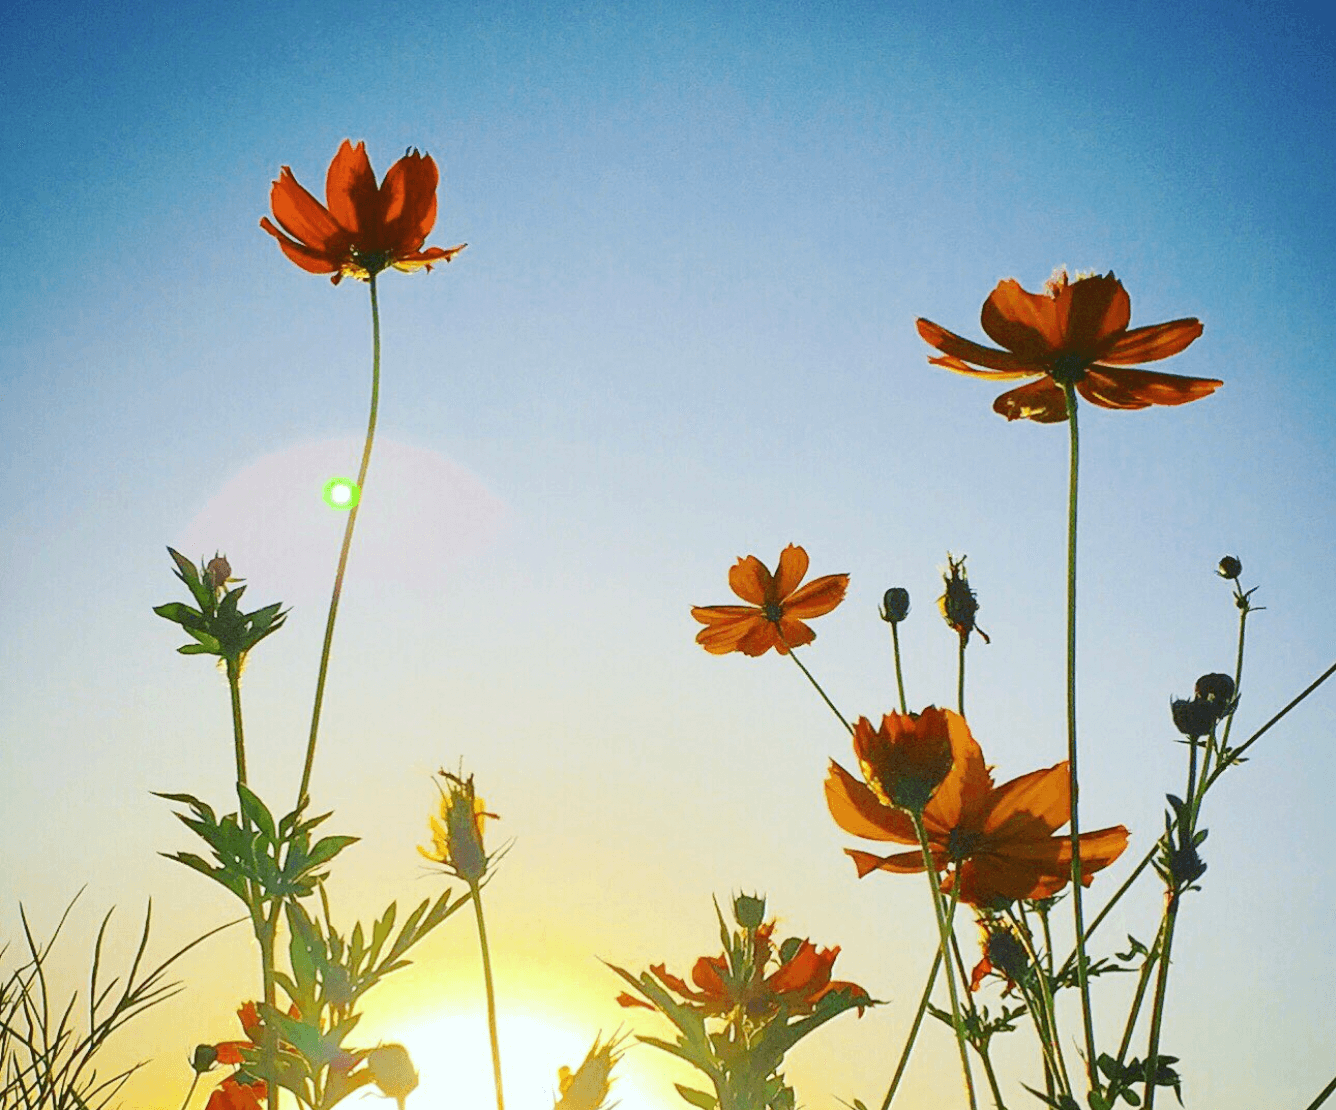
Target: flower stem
[238, 737]
[960, 680]
[944, 943]
[899, 672]
[347, 542]
[1143, 980]
[193, 1084]
[913, 1030]
[794, 656]
[1082, 977]
[491, 994]
[1322, 1095]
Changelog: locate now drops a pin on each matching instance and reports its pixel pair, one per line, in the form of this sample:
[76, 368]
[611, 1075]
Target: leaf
[702, 1099]
[257, 811]
[329, 847]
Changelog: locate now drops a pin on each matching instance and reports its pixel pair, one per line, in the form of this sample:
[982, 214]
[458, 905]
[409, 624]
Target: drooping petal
[1002, 365]
[1033, 805]
[628, 1000]
[818, 597]
[302, 216]
[726, 630]
[1153, 342]
[1125, 388]
[791, 633]
[760, 637]
[351, 193]
[1097, 310]
[858, 811]
[1042, 401]
[957, 366]
[312, 261]
[750, 579]
[792, 568]
[902, 863]
[425, 259]
[1031, 325]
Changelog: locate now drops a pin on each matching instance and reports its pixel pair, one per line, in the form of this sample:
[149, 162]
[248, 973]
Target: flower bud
[392, 1071]
[1007, 954]
[457, 837]
[958, 604]
[1194, 718]
[203, 1058]
[217, 572]
[1229, 568]
[895, 605]
[1217, 688]
[749, 910]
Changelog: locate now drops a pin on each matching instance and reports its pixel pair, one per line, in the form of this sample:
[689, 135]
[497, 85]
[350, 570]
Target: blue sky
[682, 332]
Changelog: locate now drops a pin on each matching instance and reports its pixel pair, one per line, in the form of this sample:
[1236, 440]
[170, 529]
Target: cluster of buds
[1212, 701]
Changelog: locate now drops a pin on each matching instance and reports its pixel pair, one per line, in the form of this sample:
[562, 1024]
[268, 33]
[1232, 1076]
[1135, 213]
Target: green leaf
[257, 811]
[702, 1099]
[195, 649]
[326, 849]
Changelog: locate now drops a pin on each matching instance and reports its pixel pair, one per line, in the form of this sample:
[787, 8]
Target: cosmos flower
[774, 619]
[998, 842]
[231, 1095]
[906, 759]
[1073, 333]
[363, 228]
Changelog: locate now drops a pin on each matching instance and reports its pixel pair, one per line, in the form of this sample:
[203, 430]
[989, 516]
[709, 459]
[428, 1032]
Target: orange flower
[231, 1095]
[774, 619]
[363, 228]
[906, 759]
[998, 841]
[1073, 333]
[797, 986]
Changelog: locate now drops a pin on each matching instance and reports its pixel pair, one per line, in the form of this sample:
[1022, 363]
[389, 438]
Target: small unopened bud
[895, 605]
[1229, 567]
[1006, 953]
[958, 604]
[1193, 717]
[457, 842]
[749, 910]
[203, 1058]
[217, 572]
[1218, 688]
[392, 1071]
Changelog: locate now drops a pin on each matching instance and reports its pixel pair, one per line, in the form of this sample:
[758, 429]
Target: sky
[682, 332]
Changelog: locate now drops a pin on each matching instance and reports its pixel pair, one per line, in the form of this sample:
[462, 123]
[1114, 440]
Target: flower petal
[792, 567]
[312, 261]
[858, 811]
[1002, 365]
[1153, 342]
[428, 258]
[818, 597]
[790, 633]
[351, 194]
[750, 580]
[1033, 805]
[1125, 388]
[956, 366]
[408, 201]
[1097, 310]
[1042, 401]
[1031, 325]
[966, 787]
[302, 216]
[902, 863]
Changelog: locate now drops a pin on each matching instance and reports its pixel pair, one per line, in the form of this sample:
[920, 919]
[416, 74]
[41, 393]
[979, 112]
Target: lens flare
[341, 493]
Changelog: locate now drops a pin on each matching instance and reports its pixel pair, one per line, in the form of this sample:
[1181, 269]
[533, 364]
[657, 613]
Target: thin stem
[1233, 756]
[238, 738]
[960, 680]
[899, 672]
[913, 1030]
[1082, 976]
[981, 1046]
[1045, 1016]
[1143, 981]
[1244, 610]
[1322, 1097]
[491, 994]
[347, 542]
[1157, 1007]
[794, 656]
[944, 943]
[193, 1084]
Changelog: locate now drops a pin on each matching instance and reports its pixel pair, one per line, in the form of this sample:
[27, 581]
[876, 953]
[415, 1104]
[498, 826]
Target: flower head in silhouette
[362, 228]
[778, 608]
[998, 842]
[1074, 333]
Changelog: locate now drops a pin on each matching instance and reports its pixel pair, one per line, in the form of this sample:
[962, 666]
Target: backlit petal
[311, 261]
[1097, 310]
[351, 194]
[858, 812]
[1125, 388]
[792, 568]
[966, 786]
[750, 579]
[902, 863]
[818, 597]
[1029, 324]
[761, 637]
[1002, 364]
[1033, 805]
[1042, 401]
[957, 366]
[302, 216]
[1154, 342]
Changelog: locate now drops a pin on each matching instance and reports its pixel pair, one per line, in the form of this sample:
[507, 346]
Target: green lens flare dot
[341, 493]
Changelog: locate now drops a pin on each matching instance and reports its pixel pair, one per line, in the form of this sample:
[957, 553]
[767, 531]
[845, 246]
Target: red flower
[774, 619]
[231, 1095]
[1073, 333]
[999, 841]
[363, 228]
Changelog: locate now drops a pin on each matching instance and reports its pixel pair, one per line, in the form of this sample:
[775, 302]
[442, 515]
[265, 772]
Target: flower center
[373, 262]
[961, 843]
[1069, 369]
[772, 611]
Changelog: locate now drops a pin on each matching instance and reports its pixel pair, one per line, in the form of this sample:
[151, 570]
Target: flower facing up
[1073, 333]
[457, 836]
[362, 228]
[774, 619]
[588, 1087]
[908, 758]
[998, 841]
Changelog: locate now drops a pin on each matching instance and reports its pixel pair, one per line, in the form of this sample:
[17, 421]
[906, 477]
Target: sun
[454, 1062]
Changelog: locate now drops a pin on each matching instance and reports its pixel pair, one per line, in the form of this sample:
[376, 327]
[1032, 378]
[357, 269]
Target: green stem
[238, 737]
[266, 935]
[899, 673]
[913, 1030]
[960, 680]
[981, 1046]
[794, 656]
[1244, 609]
[1157, 1007]
[1045, 1016]
[944, 944]
[1082, 975]
[491, 994]
[1322, 1096]
[347, 542]
[193, 1084]
[1143, 980]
